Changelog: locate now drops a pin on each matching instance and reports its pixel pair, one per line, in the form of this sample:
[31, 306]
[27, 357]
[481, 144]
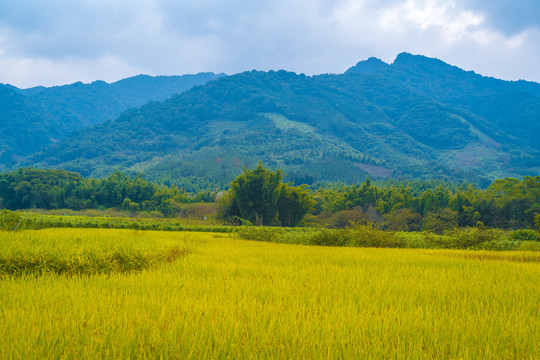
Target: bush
[529, 246]
[327, 237]
[499, 245]
[414, 240]
[259, 233]
[524, 235]
[347, 218]
[10, 220]
[370, 236]
[467, 238]
[438, 241]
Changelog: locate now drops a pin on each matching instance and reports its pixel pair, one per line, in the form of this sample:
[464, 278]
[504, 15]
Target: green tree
[402, 220]
[260, 197]
[254, 194]
[293, 203]
[438, 221]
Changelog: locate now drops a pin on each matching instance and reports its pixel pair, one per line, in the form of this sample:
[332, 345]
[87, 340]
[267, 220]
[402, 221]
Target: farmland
[221, 296]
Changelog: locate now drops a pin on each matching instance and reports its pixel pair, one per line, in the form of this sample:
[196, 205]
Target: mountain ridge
[63, 109]
[415, 118]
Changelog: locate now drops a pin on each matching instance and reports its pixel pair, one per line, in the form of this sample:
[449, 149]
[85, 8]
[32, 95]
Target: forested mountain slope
[417, 117]
[25, 126]
[35, 117]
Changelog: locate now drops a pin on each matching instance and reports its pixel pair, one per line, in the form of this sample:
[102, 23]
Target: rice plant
[233, 298]
[83, 251]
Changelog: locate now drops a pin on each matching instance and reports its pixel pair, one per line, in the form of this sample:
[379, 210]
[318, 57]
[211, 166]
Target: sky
[55, 42]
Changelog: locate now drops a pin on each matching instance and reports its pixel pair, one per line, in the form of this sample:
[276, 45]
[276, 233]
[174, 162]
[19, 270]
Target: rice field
[230, 298]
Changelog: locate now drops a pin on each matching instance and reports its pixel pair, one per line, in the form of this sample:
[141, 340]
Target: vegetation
[33, 118]
[415, 119]
[13, 221]
[506, 203]
[84, 252]
[371, 236]
[59, 189]
[391, 273]
[260, 197]
[241, 299]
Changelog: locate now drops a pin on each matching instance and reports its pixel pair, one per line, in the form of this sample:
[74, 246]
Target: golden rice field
[230, 298]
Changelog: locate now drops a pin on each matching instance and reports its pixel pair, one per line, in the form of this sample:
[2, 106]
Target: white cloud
[450, 22]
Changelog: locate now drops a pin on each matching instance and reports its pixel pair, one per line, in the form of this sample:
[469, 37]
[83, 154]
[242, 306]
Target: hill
[415, 118]
[39, 116]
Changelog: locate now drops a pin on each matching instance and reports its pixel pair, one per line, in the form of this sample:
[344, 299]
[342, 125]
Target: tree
[438, 221]
[260, 197]
[253, 193]
[293, 203]
[402, 220]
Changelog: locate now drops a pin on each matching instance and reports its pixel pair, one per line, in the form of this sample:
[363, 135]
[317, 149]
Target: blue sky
[53, 42]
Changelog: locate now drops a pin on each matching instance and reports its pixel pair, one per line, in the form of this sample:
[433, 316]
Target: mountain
[37, 116]
[415, 118]
[23, 125]
[502, 103]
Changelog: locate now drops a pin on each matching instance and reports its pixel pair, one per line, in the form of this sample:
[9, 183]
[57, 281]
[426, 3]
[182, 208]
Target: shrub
[414, 240]
[438, 241]
[327, 237]
[466, 238]
[525, 235]
[370, 236]
[10, 220]
[529, 246]
[498, 245]
[259, 233]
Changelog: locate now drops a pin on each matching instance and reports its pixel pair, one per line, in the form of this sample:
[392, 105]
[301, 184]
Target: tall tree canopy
[260, 197]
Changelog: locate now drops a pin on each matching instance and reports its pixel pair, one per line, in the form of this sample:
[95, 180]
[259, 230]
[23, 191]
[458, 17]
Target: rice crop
[84, 251]
[232, 298]
[16, 220]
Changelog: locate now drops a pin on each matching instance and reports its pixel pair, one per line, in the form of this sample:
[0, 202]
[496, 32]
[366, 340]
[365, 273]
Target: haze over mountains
[415, 118]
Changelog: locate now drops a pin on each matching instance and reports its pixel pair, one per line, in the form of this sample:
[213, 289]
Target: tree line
[60, 189]
[260, 197]
[507, 203]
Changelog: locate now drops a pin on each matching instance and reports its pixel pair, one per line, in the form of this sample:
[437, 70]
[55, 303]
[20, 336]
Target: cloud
[508, 16]
[453, 24]
[28, 72]
[65, 41]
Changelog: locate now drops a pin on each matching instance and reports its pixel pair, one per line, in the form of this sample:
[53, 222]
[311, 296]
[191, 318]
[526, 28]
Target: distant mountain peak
[407, 57]
[403, 61]
[420, 63]
[372, 65]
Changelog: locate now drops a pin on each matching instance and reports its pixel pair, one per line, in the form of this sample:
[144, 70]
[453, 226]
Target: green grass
[233, 298]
